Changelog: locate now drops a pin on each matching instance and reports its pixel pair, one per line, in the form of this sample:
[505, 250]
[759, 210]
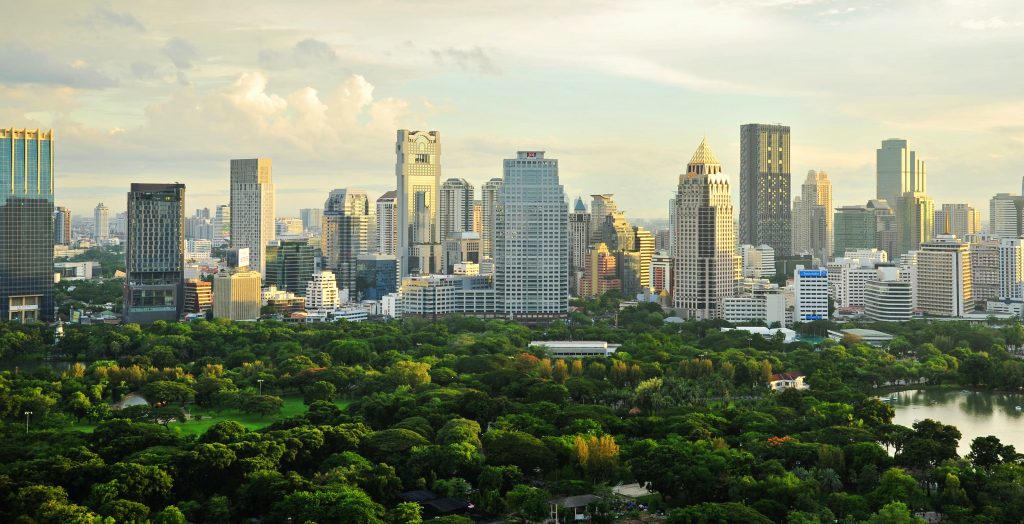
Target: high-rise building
[944, 277]
[290, 265]
[957, 219]
[601, 207]
[810, 288]
[288, 227]
[644, 247]
[222, 223]
[387, 224]
[252, 208]
[459, 248]
[705, 254]
[154, 253]
[61, 226]
[579, 241]
[757, 261]
[915, 213]
[478, 217]
[600, 274]
[812, 217]
[26, 225]
[376, 276]
[198, 296]
[1011, 269]
[237, 294]
[1006, 215]
[986, 281]
[322, 292]
[854, 229]
[344, 234]
[765, 214]
[310, 217]
[456, 207]
[898, 170]
[489, 205]
[887, 298]
[661, 273]
[101, 222]
[531, 239]
[418, 169]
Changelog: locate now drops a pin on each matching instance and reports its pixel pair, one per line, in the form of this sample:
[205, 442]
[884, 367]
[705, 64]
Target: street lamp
[261, 386]
[27, 415]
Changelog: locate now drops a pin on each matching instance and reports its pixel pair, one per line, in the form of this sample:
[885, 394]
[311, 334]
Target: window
[422, 158]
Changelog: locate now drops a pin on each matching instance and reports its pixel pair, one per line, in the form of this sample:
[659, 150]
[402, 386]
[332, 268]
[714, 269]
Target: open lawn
[207, 417]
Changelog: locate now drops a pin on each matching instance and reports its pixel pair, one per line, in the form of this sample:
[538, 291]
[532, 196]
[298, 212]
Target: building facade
[488, 208]
[62, 226]
[1006, 215]
[812, 217]
[387, 224]
[290, 265]
[376, 276]
[101, 222]
[957, 219]
[898, 170]
[915, 213]
[26, 225]
[418, 169]
[456, 206]
[237, 294]
[311, 217]
[198, 296]
[531, 240]
[765, 213]
[343, 236]
[154, 253]
[579, 241]
[944, 277]
[888, 298]
[322, 292]
[252, 208]
[810, 289]
[705, 254]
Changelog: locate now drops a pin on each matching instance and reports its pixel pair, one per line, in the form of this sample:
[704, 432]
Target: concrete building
[960, 220]
[944, 277]
[579, 242]
[765, 213]
[764, 302]
[455, 212]
[222, 224]
[460, 247]
[812, 217]
[899, 170]
[311, 218]
[1011, 269]
[62, 226]
[343, 237]
[601, 274]
[887, 298]
[252, 208]
[288, 227]
[915, 213]
[418, 172]
[376, 276]
[236, 294]
[154, 253]
[661, 273]
[531, 240]
[198, 296]
[322, 292]
[438, 296]
[290, 265]
[705, 257]
[1006, 215]
[758, 261]
[76, 270]
[478, 217]
[810, 288]
[488, 207]
[986, 280]
[576, 348]
[387, 224]
[101, 222]
[601, 207]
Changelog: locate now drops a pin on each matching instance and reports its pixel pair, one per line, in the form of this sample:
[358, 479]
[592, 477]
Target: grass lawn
[292, 406]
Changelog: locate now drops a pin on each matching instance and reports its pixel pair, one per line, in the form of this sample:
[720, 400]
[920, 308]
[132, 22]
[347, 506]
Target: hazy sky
[620, 91]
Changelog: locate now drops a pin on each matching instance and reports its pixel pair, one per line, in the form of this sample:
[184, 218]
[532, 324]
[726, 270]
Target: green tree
[528, 503]
[894, 513]
[319, 390]
[405, 513]
[262, 405]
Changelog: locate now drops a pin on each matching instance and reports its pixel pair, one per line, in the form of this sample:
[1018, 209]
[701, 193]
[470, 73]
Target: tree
[894, 513]
[408, 373]
[262, 405]
[459, 430]
[162, 391]
[897, 486]
[528, 503]
[518, 449]
[597, 455]
[169, 515]
[717, 513]
[989, 451]
[405, 513]
[930, 443]
[319, 390]
[342, 504]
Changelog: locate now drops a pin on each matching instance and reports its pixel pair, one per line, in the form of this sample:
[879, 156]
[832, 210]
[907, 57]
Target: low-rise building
[576, 348]
[790, 380]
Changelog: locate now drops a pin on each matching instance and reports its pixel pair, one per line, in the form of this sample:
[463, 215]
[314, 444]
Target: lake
[974, 413]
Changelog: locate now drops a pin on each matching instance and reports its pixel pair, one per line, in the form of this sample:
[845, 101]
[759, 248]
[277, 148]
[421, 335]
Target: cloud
[20, 64]
[144, 70]
[471, 59]
[994, 22]
[120, 19]
[181, 52]
[303, 54]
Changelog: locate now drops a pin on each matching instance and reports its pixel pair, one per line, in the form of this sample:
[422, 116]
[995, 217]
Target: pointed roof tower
[580, 206]
[704, 161]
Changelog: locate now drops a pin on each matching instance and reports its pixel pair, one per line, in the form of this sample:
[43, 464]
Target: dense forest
[273, 422]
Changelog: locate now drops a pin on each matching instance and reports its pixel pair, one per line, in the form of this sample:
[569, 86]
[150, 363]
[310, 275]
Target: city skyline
[324, 101]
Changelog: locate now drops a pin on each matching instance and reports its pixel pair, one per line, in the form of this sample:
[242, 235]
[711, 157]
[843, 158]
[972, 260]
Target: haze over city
[617, 91]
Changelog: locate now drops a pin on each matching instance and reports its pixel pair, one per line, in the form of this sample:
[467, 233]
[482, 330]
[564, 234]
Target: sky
[620, 91]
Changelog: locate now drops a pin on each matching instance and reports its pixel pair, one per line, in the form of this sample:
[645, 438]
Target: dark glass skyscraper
[290, 265]
[765, 213]
[26, 225]
[154, 253]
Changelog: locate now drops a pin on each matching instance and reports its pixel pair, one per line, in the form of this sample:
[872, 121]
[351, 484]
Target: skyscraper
[387, 224]
[812, 217]
[236, 294]
[488, 205]
[101, 222]
[290, 265]
[343, 239]
[898, 170]
[222, 223]
[765, 214]
[478, 217]
[311, 218]
[154, 257]
[26, 225]
[418, 169]
[944, 277]
[456, 207]
[1006, 215]
[915, 213]
[957, 219]
[705, 254]
[531, 239]
[579, 241]
[252, 208]
[601, 207]
[62, 226]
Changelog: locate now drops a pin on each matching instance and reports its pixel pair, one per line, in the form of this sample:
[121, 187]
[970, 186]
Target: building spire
[703, 161]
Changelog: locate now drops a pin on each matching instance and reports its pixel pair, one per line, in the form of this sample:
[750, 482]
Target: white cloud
[995, 22]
